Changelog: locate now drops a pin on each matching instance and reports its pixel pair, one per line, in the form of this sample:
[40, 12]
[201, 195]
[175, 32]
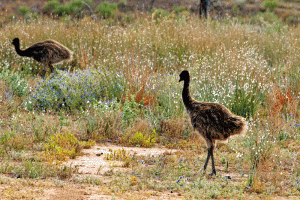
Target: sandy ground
[92, 162]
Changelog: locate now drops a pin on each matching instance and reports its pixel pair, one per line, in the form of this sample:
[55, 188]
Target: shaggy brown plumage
[213, 121]
[48, 52]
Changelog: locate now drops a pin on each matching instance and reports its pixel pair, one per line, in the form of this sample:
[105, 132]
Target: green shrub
[245, 103]
[270, 4]
[139, 139]
[11, 140]
[51, 5]
[178, 9]
[62, 9]
[62, 146]
[291, 19]
[77, 6]
[235, 9]
[73, 7]
[131, 110]
[107, 9]
[15, 82]
[159, 14]
[283, 136]
[24, 10]
[268, 20]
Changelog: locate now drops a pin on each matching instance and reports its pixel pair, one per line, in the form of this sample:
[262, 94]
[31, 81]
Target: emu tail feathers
[236, 126]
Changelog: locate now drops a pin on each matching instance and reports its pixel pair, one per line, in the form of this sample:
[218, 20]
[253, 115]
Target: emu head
[15, 41]
[184, 76]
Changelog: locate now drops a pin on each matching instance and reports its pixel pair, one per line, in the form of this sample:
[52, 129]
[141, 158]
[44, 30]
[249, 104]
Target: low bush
[24, 10]
[15, 82]
[75, 7]
[51, 5]
[159, 14]
[139, 139]
[72, 91]
[62, 146]
[270, 4]
[107, 9]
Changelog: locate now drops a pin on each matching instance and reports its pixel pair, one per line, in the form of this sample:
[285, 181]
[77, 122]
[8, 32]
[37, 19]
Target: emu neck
[19, 51]
[186, 97]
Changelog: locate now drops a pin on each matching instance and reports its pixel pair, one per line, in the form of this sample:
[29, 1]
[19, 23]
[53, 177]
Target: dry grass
[146, 57]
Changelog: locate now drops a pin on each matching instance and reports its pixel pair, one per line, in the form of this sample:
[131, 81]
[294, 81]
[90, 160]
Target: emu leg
[51, 68]
[44, 70]
[203, 8]
[200, 10]
[211, 149]
[207, 158]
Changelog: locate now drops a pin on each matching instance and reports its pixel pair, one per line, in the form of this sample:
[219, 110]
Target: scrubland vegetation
[122, 88]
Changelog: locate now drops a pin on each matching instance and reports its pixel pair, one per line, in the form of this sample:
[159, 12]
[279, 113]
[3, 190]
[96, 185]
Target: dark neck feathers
[186, 97]
[19, 51]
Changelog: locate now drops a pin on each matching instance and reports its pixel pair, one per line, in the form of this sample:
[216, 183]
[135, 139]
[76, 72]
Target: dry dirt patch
[89, 163]
[94, 160]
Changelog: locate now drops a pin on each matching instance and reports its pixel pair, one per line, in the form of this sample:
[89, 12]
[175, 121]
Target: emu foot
[213, 173]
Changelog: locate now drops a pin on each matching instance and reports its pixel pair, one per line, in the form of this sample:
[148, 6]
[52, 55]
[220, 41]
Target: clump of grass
[102, 121]
[89, 179]
[75, 7]
[131, 110]
[178, 9]
[246, 104]
[24, 10]
[119, 154]
[15, 82]
[62, 9]
[270, 4]
[88, 144]
[174, 130]
[51, 5]
[139, 139]
[107, 9]
[62, 146]
[159, 14]
[36, 169]
[268, 20]
[13, 141]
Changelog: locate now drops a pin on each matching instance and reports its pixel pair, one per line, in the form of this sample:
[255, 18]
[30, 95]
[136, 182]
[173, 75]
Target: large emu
[213, 121]
[48, 52]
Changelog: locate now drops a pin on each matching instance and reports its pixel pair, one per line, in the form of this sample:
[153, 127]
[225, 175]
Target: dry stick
[93, 14]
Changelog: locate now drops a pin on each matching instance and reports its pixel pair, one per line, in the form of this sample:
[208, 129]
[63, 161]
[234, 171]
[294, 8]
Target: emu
[48, 52]
[212, 121]
[203, 8]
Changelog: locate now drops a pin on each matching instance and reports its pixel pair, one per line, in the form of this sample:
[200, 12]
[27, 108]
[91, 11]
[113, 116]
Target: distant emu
[48, 52]
[213, 121]
[203, 8]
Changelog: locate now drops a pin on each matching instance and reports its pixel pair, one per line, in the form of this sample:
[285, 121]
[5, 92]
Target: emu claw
[213, 174]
